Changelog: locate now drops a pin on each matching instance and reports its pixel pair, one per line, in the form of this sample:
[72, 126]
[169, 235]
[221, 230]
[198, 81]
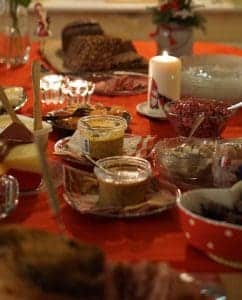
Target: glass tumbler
[51, 89]
[75, 90]
[9, 192]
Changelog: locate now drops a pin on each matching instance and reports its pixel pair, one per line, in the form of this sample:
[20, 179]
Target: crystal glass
[51, 89]
[9, 192]
[75, 90]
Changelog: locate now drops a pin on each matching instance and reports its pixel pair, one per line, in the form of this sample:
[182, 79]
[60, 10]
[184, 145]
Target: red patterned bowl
[221, 241]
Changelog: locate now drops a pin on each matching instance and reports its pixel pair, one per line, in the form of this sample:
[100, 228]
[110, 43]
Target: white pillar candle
[164, 80]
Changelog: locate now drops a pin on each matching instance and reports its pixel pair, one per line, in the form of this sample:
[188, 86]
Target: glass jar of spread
[102, 136]
[124, 182]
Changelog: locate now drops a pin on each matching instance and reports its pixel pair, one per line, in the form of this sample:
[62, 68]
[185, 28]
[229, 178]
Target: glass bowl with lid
[123, 180]
[102, 136]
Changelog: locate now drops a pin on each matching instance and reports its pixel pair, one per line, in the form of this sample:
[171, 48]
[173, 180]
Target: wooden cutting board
[52, 53]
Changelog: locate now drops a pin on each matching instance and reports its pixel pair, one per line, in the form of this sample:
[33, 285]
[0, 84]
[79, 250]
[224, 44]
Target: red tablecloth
[153, 238]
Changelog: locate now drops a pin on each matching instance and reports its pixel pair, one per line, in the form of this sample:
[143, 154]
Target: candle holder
[164, 85]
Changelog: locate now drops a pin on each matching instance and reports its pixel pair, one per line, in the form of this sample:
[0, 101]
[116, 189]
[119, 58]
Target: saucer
[134, 145]
[142, 108]
[81, 193]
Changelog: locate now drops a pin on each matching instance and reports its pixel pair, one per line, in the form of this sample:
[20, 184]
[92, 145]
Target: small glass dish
[123, 180]
[101, 136]
[187, 163]
[182, 115]
[9, 192]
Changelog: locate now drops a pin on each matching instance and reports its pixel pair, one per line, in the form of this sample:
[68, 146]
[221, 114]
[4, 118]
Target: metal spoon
[88, 157]
[235, 106]
[198, 121]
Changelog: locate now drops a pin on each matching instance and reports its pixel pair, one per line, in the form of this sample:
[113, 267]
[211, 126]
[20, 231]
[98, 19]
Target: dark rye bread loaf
[80, 27]
[101, 53]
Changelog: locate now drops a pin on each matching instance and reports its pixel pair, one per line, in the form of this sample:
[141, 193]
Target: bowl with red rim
[183, 113]
[215, 232]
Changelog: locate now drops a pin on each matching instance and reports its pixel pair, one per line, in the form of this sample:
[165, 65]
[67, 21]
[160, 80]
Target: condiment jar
[125, 182]
[102, 136]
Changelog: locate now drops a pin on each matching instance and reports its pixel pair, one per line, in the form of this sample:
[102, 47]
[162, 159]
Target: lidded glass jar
[125, 181]
[102, 135]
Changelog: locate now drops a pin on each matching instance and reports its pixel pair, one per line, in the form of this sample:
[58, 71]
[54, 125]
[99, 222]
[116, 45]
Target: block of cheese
[22, 160]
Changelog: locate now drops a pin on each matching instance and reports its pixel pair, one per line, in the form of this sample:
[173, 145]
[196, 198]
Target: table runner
[156, 238]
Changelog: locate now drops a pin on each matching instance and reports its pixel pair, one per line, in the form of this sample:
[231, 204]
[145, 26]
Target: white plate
[212, 76]
[142, 108]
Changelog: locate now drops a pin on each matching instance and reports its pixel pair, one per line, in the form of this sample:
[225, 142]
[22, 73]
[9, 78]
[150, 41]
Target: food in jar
[22, 159]
[183, 113]
[124, 183]
[102, 136]
[184, 160]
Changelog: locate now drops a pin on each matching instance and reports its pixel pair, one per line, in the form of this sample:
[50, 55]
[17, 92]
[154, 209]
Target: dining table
[150, 238]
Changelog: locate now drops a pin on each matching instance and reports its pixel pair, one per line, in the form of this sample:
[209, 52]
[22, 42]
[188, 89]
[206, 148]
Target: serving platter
[142, 108]
[121, 83]
[212, 76]
[66, 119]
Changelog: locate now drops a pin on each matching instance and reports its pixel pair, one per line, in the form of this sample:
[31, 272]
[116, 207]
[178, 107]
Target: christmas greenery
[177, 12]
